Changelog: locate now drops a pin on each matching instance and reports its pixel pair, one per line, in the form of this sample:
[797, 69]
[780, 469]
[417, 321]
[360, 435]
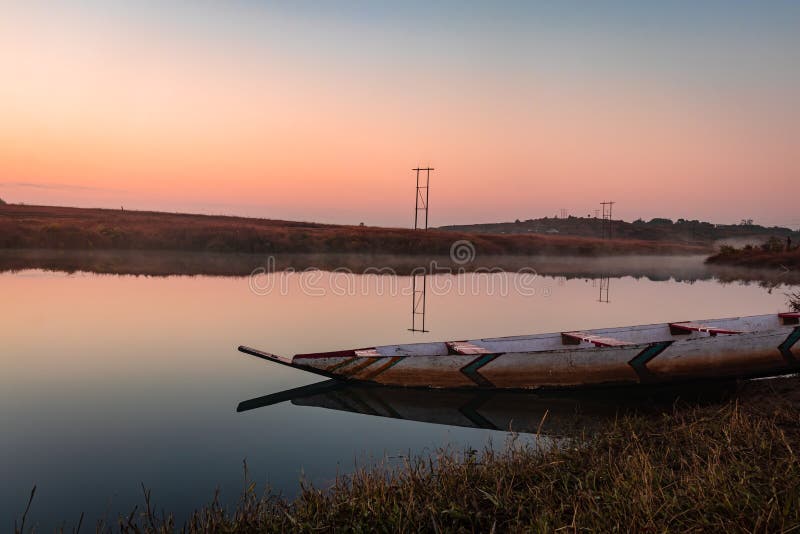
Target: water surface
[109, 382]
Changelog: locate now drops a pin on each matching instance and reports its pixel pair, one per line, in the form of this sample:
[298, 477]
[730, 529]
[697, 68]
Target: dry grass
[718, 470]
[42, 227]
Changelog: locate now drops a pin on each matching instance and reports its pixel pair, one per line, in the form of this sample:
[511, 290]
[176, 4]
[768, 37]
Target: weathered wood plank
[574, 338]
[465, 347]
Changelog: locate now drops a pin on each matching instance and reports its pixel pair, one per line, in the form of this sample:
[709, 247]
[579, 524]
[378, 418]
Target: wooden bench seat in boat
[465, 347]
[790, 318]
[574, 338]
[687, 328]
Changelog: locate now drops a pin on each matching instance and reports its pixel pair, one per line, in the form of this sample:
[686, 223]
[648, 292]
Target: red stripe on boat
[697, 327]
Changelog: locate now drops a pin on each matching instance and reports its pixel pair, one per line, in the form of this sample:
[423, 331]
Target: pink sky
[243, 110]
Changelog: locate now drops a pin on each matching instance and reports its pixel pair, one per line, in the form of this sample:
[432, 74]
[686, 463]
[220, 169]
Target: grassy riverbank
[729, 466]
[46, 227]
[772, 254]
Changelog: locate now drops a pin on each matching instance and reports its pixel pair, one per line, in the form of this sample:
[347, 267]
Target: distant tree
[659, 220]
[2, 202]
[517, 221]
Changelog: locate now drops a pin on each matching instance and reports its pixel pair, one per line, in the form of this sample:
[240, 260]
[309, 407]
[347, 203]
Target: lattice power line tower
[606, 220]
[421, 210]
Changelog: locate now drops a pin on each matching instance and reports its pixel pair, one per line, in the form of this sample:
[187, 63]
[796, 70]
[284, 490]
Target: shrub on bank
[773, 253]
[773, 244]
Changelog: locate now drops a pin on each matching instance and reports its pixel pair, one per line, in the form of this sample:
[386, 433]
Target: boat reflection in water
[565, 413]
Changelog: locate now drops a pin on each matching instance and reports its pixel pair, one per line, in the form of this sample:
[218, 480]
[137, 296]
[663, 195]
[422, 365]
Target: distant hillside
[47, 227]
[682, 231]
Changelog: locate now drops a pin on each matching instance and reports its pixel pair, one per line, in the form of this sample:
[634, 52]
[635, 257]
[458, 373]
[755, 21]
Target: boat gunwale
[694, 336]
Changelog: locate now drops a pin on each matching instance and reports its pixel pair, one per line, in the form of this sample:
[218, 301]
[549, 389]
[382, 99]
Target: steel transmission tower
[606, 220]
[421, 208]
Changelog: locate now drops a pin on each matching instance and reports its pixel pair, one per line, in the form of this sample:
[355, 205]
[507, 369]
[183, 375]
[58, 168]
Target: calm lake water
[109, 382]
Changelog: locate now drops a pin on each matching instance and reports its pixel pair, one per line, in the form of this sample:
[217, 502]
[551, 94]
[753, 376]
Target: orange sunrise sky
[319, 110]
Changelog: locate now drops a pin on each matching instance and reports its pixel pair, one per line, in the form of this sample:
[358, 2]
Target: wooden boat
[740, 347]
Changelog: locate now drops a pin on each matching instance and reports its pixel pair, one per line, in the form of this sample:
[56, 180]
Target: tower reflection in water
[419, 301]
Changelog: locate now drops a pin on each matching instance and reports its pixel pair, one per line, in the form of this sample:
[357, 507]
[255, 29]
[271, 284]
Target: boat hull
[507, 363]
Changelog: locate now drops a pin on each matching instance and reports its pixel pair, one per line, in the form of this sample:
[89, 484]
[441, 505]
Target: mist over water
[163, 263]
